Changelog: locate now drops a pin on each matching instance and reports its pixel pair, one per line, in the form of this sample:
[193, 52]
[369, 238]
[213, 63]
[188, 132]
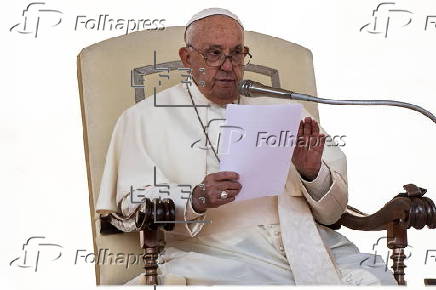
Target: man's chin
[227, 95]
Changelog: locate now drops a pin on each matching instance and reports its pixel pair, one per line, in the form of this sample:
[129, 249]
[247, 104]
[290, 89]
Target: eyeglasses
[215, 57]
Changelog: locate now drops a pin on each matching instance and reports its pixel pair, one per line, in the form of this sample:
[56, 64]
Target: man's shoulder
[167, 98]
[171, 97]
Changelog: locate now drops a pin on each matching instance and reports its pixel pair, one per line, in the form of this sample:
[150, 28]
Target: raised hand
[308, 149]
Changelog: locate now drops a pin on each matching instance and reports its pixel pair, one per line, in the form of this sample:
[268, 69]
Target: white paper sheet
[257, 141]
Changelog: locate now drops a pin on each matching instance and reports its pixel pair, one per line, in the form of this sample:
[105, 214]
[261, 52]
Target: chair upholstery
[110, 74]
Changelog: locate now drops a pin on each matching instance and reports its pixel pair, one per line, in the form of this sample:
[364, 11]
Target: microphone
[254, 89]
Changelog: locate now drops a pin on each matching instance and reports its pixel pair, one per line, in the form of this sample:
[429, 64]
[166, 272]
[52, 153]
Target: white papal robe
[273, 240]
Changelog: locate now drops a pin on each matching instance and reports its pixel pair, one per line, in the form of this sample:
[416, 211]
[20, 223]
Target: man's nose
[227, 65]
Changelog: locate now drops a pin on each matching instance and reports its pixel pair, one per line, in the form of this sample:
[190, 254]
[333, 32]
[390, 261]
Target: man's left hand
[308, 149]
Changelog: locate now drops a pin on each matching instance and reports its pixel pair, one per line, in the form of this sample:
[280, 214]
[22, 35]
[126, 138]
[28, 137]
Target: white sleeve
[130, 169]
[329, 208]
[190, 213]
[318, 187]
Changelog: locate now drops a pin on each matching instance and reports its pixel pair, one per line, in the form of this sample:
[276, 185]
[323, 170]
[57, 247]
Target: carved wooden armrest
[406, 210]
[150, 218]
[410, 209]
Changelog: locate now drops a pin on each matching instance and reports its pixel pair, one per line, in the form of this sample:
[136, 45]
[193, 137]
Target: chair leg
[151, 237]
[397, 241]
[151, 266]
[149, 240]
[398, 265]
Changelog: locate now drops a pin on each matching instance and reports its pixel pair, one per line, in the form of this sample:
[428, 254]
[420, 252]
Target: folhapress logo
[33, 253]
[35, 17]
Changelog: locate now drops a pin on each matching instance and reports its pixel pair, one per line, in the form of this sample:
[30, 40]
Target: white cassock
[273, 240]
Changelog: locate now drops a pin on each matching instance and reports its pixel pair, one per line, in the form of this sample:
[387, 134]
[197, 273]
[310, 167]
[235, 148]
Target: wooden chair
[116, 73]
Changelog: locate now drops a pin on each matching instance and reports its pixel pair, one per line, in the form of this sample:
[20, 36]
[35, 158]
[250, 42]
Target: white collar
[200, 99]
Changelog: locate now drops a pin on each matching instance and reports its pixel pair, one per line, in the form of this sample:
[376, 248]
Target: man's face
[212, 35]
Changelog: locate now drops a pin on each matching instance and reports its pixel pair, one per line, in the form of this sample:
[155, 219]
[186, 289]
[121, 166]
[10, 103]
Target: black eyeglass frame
[225, 56]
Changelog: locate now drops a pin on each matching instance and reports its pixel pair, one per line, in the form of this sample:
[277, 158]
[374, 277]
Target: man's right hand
[214, 184]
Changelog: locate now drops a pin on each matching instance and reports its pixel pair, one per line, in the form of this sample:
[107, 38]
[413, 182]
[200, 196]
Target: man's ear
[185, 56]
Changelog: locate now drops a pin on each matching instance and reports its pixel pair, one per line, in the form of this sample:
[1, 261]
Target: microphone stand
[250, 88]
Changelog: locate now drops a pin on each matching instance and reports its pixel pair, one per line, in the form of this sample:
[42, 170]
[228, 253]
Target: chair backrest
[117, 72]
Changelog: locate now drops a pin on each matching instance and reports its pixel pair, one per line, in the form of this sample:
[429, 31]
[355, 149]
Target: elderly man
[263, 241]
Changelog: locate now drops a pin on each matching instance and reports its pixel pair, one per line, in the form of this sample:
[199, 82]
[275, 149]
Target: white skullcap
[213, 11]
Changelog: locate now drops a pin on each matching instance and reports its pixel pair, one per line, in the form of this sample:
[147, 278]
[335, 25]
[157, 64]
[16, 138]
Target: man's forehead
[219, 46]
[224, 33]
[217, 24]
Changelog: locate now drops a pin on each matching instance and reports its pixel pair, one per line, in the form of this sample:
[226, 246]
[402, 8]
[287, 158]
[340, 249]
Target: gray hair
[189, 31]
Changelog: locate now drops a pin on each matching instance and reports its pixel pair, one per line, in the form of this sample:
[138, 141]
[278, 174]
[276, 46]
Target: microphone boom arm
[250, 88]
